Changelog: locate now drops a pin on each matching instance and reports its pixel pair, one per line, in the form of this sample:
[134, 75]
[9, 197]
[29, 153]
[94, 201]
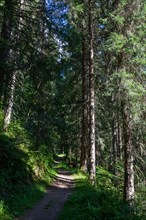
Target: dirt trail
[52, 203]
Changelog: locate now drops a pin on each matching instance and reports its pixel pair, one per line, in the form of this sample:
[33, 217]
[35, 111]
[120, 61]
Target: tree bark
[92, 170]
[83, 160]
[115, 144]
[9, 108]
[119, 142]
[11, 83]
[128, 155]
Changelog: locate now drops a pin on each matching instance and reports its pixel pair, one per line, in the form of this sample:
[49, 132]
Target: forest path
[50, 206]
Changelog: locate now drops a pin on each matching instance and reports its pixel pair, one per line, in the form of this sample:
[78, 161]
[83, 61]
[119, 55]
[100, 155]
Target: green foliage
[26, 195]
[24, 172]
[1, 119]
[119, 19]
[105, 179]
[116, 42]
[65, 165]
[4, 215]
[103, 202]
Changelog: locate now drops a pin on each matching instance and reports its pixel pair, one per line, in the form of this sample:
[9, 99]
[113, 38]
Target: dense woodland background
[73, 82]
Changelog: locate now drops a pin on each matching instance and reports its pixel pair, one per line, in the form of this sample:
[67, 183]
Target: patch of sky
[101, 26]
[56, 12]
[62, 75]
[97, 4]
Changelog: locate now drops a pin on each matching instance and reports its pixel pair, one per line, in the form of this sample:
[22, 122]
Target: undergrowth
[103, 202]
[25, 172]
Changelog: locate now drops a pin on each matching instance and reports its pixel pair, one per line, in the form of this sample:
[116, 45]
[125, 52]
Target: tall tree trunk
[12, 80]
[128, 155]
[83, 160]
[92, 171]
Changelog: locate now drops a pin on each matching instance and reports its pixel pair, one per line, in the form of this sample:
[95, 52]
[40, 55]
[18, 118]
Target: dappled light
[54, 199]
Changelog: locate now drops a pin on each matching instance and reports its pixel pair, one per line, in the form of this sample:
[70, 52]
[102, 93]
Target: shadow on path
[52, 203]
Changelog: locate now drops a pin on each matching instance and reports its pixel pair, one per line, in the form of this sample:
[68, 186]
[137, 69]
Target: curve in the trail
[52, 203]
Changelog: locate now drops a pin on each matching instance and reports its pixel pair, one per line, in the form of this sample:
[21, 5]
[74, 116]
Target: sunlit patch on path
[52, 203]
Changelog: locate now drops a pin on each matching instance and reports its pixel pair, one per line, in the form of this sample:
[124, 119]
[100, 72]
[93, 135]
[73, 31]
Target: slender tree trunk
[8, 112]
[119, 142]
[115, 145]
[128, 155]
[83, 160]
[92, 171]
[119, 124]
[70, 155]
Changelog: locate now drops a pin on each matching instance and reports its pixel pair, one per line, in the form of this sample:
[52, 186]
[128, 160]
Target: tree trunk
[128, 155]
[83, 160]
[8, 111]
[92, 171]
[115, 144]
[119, 141]
[70, 155]
[11, 86]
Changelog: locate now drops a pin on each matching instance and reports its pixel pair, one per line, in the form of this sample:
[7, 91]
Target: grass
[64, 165]
[103, 202]
[23, 197]
[25, 173]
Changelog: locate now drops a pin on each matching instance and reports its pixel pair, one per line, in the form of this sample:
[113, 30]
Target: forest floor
[52, 204]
